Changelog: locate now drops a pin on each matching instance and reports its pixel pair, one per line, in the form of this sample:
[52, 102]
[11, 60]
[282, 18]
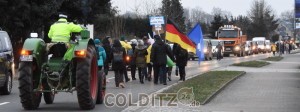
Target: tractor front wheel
[49, 97]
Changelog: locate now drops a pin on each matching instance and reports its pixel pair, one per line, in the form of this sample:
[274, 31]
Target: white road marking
[4, 103]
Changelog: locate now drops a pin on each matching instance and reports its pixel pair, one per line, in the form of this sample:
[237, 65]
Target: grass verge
[252, 64]
[276, 58]
[205, 85]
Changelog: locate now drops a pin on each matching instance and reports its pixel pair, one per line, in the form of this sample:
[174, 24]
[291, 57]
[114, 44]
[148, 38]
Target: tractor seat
[58, 50]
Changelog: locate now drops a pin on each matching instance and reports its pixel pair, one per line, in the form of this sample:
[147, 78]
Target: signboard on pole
[157, 20]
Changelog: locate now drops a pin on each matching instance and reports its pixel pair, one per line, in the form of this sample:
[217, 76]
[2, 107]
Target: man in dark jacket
[132, 59]
[107, 47]
[158, 57]
[181, 58]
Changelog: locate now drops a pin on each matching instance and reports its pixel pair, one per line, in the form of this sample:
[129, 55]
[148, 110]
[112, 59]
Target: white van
[261, 43]
[268, 46]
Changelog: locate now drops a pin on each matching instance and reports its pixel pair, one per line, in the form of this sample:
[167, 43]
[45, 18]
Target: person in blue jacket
[102, 54]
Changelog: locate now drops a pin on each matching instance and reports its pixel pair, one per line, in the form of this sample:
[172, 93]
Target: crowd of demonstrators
[158, 58]
[117, 56]
[144, 55]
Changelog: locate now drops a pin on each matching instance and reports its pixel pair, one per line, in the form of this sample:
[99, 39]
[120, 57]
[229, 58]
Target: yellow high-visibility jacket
[125, 45]
[149, 53]
[60, 31]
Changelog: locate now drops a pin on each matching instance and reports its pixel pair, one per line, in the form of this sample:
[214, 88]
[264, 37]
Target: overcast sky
[236, 7]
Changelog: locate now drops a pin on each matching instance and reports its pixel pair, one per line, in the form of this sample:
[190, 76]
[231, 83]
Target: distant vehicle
[268, 46]
[261, 43]
[6, 62]
[207, 51]
[233, 38]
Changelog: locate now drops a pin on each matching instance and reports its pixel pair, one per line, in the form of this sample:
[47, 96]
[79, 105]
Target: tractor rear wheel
[28, 81]
[87, 79]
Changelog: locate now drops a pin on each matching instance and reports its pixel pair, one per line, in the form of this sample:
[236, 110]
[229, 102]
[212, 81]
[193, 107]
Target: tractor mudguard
[38, 48]
[83, 43]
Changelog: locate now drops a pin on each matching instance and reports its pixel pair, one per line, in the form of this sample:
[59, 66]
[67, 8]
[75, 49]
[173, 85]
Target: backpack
[118, 56]
[130, 52]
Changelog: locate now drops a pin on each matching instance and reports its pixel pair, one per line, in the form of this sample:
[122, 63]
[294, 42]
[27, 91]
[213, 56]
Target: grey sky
[236, 7]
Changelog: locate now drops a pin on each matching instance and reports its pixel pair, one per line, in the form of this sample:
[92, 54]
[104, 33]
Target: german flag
[173, 34]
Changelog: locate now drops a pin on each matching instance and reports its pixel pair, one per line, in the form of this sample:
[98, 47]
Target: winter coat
[140, 54]
[181, 56]
[149, 53]
[132, 58]
[125, 45]
[159, 52]
[117, 48]
[102, 55]
[107, 48]
[273, 47]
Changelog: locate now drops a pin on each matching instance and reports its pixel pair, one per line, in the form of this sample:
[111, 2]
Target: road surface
[68, 101]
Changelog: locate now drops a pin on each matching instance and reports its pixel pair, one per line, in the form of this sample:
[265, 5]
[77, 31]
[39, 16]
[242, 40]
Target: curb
[207, 100]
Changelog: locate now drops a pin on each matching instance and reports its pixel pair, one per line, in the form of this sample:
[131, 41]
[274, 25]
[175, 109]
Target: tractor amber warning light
[127, 58]
[25, 52]
[80, 53]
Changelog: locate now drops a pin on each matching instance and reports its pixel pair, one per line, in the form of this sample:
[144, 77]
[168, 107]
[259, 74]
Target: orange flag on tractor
[173, 34]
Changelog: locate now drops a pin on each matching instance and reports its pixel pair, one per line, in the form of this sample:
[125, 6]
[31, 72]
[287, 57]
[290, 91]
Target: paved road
[68, 102]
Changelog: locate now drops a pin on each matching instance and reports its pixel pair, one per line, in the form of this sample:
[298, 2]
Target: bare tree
[219, 11]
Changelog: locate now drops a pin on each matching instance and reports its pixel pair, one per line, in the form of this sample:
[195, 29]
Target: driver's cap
[63, 16]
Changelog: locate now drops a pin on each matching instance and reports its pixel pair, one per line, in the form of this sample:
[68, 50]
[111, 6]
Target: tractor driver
[60, 32]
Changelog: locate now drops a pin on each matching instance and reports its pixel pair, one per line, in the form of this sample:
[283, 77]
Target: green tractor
[41, 73]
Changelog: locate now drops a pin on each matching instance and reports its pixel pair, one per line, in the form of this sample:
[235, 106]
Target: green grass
[276, 58]
[206, 84]
[252, 64]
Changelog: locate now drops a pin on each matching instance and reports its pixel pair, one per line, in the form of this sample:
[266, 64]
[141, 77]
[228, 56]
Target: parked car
[6, 62]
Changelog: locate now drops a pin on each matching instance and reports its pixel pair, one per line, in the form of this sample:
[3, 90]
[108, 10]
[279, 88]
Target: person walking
[107, 42]
[140, 54]
[101, 53]
[149, 65]
[127, 47]
[181, 58]
[273, 47]
[169, 68]
[158, 57]
[117, 57]
[130, 53]
[220, 49]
